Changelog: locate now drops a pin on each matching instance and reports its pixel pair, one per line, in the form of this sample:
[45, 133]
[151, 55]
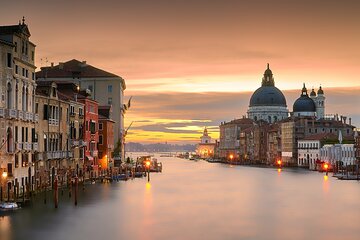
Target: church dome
[268, 96]
[304, 103]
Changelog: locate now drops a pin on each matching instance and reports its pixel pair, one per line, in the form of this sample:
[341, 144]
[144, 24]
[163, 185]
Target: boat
[6, 206]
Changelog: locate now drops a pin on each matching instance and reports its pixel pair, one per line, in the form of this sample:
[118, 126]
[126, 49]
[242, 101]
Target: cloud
[173, 113]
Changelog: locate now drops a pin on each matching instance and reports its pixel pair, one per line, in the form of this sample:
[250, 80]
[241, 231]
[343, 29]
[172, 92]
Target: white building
[308, 152]
[344, 153]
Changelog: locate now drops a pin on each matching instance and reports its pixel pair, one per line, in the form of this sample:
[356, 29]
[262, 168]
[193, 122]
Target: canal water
[198, 200]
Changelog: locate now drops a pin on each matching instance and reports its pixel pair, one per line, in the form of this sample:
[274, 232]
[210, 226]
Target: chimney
[344, 119]
[52, 65]
[61, 65]
[83, 64]
[349, 120]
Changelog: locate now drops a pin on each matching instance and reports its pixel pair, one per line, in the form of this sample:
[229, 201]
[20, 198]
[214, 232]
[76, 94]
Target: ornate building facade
[17, 105]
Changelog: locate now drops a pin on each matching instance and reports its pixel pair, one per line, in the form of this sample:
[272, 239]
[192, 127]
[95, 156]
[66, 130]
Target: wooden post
[76, 189]
[56, 193]
[8, 192]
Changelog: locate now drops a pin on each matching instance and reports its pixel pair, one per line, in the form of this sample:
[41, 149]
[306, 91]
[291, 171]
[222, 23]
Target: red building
[106, 137]
[91, 135]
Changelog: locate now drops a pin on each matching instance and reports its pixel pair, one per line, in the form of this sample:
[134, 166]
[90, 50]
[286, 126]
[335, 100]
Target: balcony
[2, 112]
[11, 113]
[27, 146]
[72, 114]
[94, 153]
[36, 117]
[19, 146]
[35, 146]
[81, 115]
[82, 143]
[74, 143]
[20, 115]
[28, 116]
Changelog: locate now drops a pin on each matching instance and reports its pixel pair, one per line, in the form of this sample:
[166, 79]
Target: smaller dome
[304, 104]
[313, 94]
[320, 91]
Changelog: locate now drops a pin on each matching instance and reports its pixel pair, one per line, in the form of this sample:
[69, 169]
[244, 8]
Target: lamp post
[148, 169]
[326, 167]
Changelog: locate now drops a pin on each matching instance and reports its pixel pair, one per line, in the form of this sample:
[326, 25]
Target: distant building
[106, 88]
[206, 148]
[230, 135]
[268, 102]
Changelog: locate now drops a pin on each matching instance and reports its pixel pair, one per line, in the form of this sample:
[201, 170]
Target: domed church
[310, 106]
[268, 102]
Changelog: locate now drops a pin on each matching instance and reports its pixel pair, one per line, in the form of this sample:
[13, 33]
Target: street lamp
[147, 163]
[231, 157]
[326, 167]
[278, 162]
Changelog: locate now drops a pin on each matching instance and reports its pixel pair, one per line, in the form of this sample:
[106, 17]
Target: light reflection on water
[199, 200]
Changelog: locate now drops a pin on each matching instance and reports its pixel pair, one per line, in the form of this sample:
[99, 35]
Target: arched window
[9, 96]
[27, 99]
[275, 118]
[23, 98]
[255, 118]
[9, 140]
[16, 96]
[269, 119]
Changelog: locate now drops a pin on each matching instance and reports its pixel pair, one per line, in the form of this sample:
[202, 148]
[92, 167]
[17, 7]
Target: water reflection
[198, 200]
[5, 227]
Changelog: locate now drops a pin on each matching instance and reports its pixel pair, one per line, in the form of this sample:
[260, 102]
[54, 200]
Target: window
[110, 101]
[81, 112]
[100, 126]
[26, 73]
[23, 72]
[16, 69]
[93, 127]
[109, 88]
[32, 55]
[15, 46]
[9, 60]
[101, 139]
[33, 76]
[46, 115]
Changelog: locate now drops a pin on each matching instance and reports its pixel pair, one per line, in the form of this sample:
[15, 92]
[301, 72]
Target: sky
[194, 63]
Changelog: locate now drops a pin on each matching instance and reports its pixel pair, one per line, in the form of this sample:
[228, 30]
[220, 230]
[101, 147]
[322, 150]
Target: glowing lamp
[231, 157]
[326, 166]
[147, 164]
[4, 174]
[278, 162]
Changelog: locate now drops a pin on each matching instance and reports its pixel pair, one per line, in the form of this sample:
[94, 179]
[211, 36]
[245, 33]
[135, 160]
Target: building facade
[17, 104]
[206, 148]
[106, 137]
[106, 88]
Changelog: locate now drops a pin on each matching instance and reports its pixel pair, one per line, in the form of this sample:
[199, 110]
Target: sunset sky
[190, 64]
